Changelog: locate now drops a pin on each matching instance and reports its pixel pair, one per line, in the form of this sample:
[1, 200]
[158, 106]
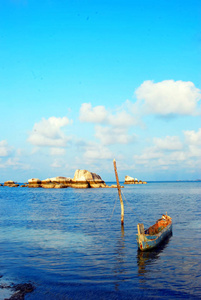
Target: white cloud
[168, 97]
[156, 160]
[57, 151]
[110, 135]
[5, 149]
[15, 163]
[192, 137]
[170, 153]
[168, 143]
[48, 132]
[193, 141]
[118, 122]
[163, 151]
[121, 119]
[56, 164]
[194, 151]
[94, 151]
[99, 115]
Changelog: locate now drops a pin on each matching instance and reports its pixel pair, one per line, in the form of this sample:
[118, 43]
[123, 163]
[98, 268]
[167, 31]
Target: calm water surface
[67, 244]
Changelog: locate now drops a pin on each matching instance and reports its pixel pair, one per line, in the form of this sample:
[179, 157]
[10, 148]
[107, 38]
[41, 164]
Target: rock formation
[54, 182]
[34, 183]
[131, 180]
[82, 179]
[85, 179]
[11, 183]
[61, 180]
[60, 186]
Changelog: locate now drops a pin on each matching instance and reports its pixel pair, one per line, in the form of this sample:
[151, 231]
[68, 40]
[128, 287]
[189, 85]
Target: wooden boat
[155, 234]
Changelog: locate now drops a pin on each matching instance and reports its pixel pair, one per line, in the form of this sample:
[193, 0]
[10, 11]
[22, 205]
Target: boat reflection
[147, 258]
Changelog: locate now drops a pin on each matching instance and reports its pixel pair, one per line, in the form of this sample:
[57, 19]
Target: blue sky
[83, 82]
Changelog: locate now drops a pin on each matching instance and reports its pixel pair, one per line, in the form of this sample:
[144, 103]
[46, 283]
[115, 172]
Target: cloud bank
[168, 97]
[48, 132]
[111, 136]
[99, 115]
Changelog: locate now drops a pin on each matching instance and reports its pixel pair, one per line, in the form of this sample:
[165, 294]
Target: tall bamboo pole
[119, 191]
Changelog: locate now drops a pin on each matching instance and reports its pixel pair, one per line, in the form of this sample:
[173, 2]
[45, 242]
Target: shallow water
[70, 246]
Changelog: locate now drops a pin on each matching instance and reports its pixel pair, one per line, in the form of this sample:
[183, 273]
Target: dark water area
[69, 245]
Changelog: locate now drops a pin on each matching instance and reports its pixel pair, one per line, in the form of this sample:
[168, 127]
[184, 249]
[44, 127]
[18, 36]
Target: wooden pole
[119, 191]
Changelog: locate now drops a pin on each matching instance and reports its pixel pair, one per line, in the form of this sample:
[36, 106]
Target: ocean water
[69, 243]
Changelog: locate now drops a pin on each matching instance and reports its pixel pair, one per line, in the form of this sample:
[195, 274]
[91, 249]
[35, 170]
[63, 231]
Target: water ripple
[65, 242]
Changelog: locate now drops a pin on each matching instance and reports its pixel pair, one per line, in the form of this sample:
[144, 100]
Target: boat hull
[148, 242]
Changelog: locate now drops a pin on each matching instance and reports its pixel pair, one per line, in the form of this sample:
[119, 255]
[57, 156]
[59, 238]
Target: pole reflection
[120, 264]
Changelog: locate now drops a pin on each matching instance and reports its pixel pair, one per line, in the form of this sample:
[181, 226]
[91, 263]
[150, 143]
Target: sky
[85, 81]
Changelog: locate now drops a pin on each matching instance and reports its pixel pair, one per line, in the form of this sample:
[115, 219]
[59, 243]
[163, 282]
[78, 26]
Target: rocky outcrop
[82, 179]
[11, 183]
[56, 182]
[17, 291]
[86, 179]
[131, 180]
[61, 180]
[48, 185]
[60, 186]
[34, 183]
[114, 186]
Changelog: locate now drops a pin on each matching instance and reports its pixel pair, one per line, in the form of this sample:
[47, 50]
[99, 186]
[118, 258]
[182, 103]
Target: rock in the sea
[85, 179]
[34, 183]
[80, 185]
[82, 179]
[11, 183]
[46, 181]
[62, 180]
[56, 182]
[20, 290]
[14, 185]
[60, 186]
[129, 180]
[50, 185]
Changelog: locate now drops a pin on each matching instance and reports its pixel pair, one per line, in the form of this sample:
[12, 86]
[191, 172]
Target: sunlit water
[70, 246]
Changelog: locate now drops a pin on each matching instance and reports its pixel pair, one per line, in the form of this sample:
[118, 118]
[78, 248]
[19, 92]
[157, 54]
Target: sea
[69, 243]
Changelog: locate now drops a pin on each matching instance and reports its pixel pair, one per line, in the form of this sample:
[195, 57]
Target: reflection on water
[119, 265]
[147, 258]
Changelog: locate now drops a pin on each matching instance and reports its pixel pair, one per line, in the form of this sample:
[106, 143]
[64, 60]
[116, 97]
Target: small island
[82, 179]
[131, 180]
